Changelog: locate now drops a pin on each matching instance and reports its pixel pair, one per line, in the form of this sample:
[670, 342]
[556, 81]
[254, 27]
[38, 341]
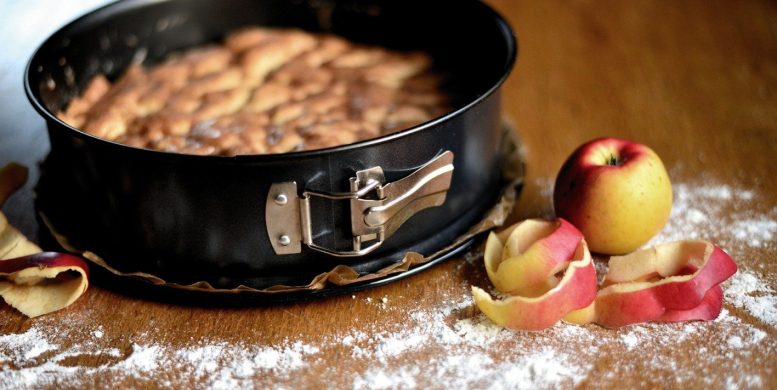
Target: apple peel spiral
[677, 281]
[526, 268]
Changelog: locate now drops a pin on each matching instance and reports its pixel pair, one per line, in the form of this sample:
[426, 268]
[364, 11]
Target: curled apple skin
[534, 251]
[23, 282]
[709, 309]
[34, 282]
[540, 309]
[672, 282]
[43, 260]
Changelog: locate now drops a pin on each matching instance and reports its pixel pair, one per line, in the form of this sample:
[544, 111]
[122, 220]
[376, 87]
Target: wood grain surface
[694, 80]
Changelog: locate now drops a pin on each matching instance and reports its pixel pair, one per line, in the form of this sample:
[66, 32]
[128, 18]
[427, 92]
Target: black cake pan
[188, 218]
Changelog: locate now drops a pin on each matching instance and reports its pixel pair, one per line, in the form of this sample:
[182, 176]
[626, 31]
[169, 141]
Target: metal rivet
[284, 240]
[281, 199]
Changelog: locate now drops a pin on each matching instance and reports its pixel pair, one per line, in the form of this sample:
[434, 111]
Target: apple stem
[612, 160]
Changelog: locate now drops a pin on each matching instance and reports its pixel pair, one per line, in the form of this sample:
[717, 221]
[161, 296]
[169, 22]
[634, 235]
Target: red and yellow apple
[526, 267]
[617, 192]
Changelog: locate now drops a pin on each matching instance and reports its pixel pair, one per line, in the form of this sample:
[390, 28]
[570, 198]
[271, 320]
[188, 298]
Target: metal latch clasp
[377, 208]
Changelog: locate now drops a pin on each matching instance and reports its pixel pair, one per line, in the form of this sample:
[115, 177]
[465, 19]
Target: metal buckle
[377, 209]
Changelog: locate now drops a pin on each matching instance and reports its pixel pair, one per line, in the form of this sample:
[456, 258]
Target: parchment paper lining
[342, 275]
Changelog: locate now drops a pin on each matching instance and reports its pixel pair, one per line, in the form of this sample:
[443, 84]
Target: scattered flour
[747, 291]
[630, 340]
[546, 368]
[477, 330]
[378, 379]
[459, 347]
[26, 346]
[214, 364]
[758, 232]
[718, 212]
[144, 358]
[735, 342]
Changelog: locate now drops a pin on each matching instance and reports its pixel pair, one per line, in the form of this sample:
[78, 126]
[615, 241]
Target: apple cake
[262, 90]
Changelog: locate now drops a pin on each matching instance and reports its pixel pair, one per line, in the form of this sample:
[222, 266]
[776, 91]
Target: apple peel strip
[34, 282]
[43, 282]
[678, 281]
[542, 249]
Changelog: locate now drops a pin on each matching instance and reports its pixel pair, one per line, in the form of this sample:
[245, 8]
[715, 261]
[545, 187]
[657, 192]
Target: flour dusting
[459, 347]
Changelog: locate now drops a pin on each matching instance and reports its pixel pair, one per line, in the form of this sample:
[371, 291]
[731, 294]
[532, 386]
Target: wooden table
[695, 80]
